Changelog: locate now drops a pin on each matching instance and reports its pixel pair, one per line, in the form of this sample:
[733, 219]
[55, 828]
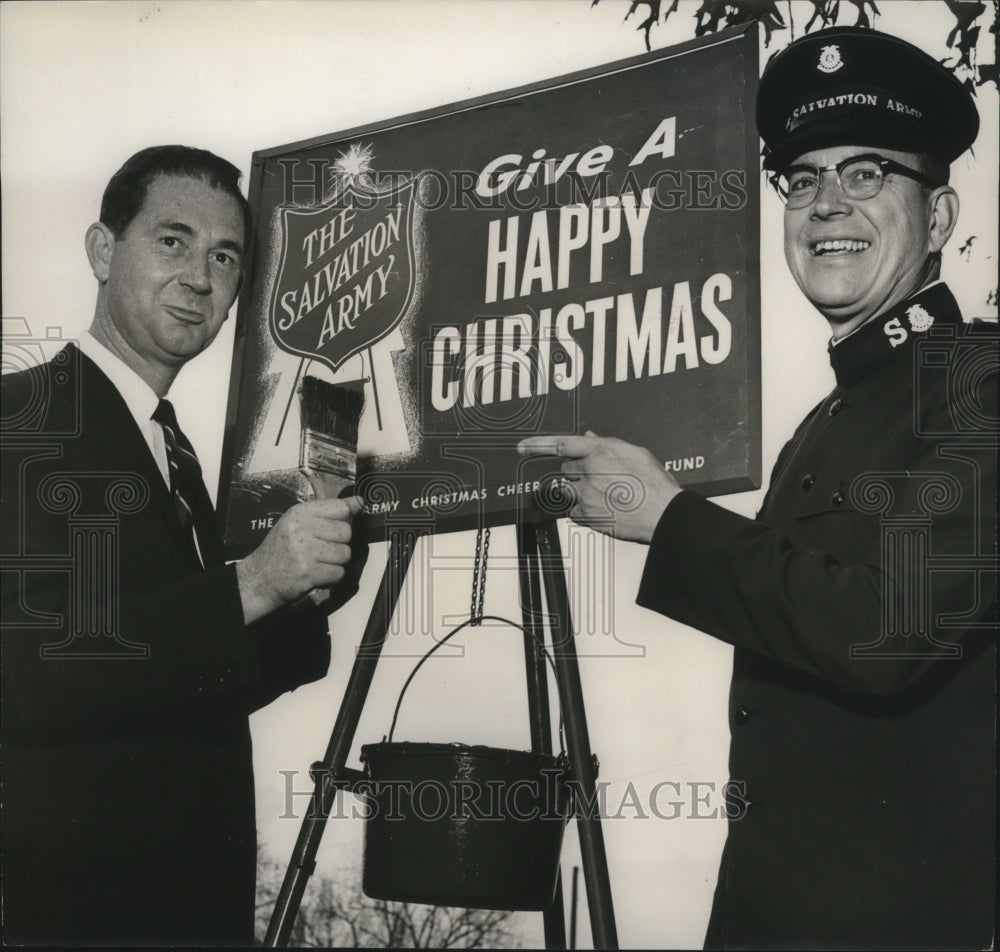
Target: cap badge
[829, 59]
[920, 320]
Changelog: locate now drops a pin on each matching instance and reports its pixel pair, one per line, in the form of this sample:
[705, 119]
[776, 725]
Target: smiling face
[855, 259]
[168, 282]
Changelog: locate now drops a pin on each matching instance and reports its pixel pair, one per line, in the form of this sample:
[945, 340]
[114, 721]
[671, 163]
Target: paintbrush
[328, 451]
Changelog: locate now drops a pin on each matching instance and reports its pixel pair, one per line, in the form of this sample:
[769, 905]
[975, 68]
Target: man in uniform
[132, 653]
[861, 602]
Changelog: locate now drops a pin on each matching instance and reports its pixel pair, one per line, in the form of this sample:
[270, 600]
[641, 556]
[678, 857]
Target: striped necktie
[187, 488]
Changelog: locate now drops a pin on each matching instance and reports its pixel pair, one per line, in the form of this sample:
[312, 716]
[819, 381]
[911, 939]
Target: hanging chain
[479, 576]
[482, 574]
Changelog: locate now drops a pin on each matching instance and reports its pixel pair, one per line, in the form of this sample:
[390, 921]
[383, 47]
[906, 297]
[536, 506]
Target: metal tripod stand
[540, 572]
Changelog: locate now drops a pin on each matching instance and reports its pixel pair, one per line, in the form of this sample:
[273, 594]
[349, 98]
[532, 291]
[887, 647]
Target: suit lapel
[111, 429]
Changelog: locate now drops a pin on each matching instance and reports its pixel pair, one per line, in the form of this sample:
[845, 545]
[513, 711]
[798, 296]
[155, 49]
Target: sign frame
[476, 516]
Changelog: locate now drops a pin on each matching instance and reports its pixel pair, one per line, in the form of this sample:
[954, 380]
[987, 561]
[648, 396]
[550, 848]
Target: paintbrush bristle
[332, 409]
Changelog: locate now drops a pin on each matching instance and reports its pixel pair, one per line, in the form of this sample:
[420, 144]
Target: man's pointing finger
[572, 447]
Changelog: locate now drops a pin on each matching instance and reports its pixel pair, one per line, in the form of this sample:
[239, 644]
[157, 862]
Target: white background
[84, 85]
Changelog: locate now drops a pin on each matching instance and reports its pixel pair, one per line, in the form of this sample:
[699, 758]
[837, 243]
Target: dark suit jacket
[867, 811]
[128, 806]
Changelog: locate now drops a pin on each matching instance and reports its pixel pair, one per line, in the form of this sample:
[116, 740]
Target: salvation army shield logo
[346, 273]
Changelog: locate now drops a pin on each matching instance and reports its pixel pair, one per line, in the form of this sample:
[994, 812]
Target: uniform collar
[892, 333]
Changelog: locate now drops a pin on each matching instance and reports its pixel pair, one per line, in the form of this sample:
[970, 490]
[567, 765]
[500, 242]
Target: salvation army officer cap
[854, 86]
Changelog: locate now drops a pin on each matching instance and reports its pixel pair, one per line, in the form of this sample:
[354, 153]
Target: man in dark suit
[133, 654]
[862, 601]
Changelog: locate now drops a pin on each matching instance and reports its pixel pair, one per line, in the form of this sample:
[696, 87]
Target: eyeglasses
[860, 177]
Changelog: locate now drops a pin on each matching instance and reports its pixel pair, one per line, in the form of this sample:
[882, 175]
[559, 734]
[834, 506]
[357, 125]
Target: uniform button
[837, 499]
[808, 481]
[836, 407]
[741, 715]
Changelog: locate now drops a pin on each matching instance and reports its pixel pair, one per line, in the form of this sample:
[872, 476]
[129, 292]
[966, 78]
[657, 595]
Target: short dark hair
[126, 192]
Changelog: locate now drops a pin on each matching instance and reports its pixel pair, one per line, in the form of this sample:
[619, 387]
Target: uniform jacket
[128, 676]
[862, 608]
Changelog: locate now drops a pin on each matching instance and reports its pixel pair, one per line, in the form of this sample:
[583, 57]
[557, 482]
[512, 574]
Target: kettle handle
[455, 631]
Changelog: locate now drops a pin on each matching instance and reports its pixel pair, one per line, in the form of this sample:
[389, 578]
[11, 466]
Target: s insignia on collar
[829, 59]
[920, 320]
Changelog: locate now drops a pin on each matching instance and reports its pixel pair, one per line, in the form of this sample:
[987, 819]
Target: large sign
[581, 254]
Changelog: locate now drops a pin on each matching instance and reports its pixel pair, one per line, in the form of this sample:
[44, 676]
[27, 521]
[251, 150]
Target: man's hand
[618, 488]
[307, 548]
